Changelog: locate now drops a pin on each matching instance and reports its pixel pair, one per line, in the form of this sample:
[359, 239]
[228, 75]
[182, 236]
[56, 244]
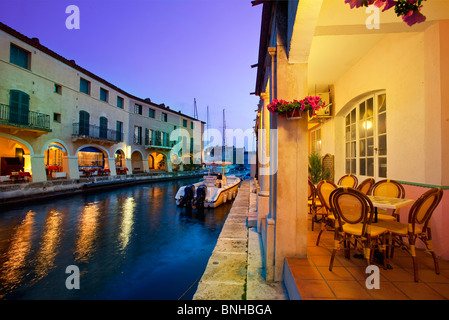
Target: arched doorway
[13, 157]
[91, 161]
[159, 161]
[120, 161]
[53, 157]
[136, 161]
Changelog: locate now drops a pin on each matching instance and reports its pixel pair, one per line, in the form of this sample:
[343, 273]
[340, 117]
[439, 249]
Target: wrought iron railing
[30, 119]
[149, 142]
[96, 132]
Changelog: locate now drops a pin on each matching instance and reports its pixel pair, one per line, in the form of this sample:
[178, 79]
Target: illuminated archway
[13, 154]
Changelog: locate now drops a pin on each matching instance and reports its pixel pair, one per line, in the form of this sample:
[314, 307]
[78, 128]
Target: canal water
[127, 243]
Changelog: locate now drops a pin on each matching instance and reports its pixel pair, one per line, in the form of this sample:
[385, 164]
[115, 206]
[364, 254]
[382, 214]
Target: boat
[215, 189]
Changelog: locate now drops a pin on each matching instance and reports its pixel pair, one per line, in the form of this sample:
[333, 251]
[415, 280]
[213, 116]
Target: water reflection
[12, 270]
[127, 222]
[130, 243]
[88, 225]
[45, 260]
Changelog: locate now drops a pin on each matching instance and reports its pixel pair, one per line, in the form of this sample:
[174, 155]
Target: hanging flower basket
[294, 114]
[295, 109]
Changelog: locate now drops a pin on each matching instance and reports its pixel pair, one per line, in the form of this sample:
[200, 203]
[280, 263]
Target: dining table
[383, 202]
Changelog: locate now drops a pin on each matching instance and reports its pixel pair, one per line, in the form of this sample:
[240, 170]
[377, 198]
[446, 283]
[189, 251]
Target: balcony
[96, 134]
[158, 143]
[31, 121]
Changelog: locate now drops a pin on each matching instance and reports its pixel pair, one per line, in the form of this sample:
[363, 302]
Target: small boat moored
[215, 189]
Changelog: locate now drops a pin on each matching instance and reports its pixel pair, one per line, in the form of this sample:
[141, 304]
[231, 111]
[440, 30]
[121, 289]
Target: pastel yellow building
[385, 86]
[60, 120]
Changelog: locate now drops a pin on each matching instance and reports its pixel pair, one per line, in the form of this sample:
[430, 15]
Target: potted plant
[295, 108]
[316, 171]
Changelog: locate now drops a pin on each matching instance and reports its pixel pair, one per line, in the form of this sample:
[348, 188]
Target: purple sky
[170, 51]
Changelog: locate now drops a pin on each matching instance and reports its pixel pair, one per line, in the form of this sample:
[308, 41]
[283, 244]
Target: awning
[57, 146]
[91, 149]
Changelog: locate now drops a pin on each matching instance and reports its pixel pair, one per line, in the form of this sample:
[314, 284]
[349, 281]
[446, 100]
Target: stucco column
[70, 164]
[37, 165]
[288, 192]
[263, 203]
[112, 168]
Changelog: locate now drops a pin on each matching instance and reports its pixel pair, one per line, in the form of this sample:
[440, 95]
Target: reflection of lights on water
[49, 245]
[87, 233]
[126, 222]
[20, 247]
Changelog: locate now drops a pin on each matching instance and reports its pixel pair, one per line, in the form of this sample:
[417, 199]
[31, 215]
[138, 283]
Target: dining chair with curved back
[388, 188]
[366, 185]
[418, 227]
[314, 202]
[354, 213]
[348, 180]
[324, 190]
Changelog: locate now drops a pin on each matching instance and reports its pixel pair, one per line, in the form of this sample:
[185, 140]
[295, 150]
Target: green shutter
[84, 123]
[19, 107]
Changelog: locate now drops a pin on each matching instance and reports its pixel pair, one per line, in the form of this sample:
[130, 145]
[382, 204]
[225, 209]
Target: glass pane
[362, 146]
[353, 166]
[369, 107]
[348, 119]
[362, 130]
[382, 102]
[353, 115]
[369, 127]
[370, 167]
[348, 166]
[353, 132]
[383, 145]
[363, 167]
[362, 111]
[382, 126]
[382, 167]
[353, 149]
[370, 147]
[348, 150]
[348, 133]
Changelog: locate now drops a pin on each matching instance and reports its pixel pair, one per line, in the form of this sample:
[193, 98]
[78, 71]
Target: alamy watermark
[73, 280]
[73, 20]
[373, 21]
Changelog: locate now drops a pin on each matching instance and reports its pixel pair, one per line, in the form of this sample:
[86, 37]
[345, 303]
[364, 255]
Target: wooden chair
[314, 202]
[418, 227]
[348, 180]
[388, 188]
[366, 185]
[324, 190]
[354, 213]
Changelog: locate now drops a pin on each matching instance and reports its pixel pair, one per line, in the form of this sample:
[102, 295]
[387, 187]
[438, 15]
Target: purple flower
[389, 4]
[413, 17]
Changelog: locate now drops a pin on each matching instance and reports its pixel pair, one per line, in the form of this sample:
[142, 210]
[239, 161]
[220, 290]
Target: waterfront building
[58, 119]
[387, 114]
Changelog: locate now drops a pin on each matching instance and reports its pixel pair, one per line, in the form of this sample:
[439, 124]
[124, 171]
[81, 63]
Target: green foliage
[316, 169]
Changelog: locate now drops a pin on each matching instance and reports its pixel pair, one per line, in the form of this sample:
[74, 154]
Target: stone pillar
[112, 168]
[263, 203]
[36, 165]
[70, 164]
[288, 191]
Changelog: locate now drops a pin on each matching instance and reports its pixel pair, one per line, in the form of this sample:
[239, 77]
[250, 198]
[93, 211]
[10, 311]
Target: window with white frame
[366, 137]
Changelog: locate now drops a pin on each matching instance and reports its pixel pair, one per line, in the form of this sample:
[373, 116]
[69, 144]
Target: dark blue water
[128, 243]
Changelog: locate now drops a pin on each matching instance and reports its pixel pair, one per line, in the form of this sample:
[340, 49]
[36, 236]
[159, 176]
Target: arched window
[366, 137]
